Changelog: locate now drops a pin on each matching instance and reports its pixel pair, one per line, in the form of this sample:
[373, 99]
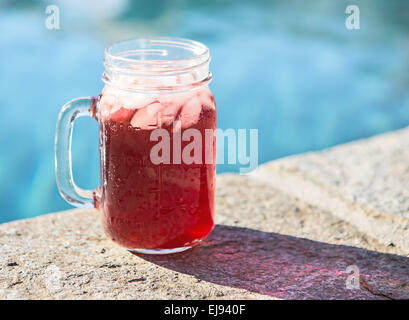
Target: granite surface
[365, 183]
[327, 225]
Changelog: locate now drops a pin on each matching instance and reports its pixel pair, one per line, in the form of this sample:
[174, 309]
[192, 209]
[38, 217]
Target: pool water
[290, 69]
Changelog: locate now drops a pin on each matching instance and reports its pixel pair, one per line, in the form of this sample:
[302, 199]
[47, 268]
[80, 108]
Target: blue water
[290, 69]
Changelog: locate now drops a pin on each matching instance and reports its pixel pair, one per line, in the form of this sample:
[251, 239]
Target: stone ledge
[364, 183]
[274, 238]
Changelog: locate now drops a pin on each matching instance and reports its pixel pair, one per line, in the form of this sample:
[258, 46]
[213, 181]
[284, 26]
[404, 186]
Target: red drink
[147, 205]
[157, 120]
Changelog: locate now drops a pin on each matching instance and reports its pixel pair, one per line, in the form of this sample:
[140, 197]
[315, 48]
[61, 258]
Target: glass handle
[73, 194]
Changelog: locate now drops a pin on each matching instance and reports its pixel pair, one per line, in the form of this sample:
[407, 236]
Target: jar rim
[158, 57]
[199, 50]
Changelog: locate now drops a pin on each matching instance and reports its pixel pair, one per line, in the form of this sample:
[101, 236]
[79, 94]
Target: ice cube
[147, 118]
[206, 98]
[190, 112]
[136, 100]
[122, 115]
[177, 99]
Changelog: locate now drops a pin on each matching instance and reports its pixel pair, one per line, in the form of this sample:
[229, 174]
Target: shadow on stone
[289, 267]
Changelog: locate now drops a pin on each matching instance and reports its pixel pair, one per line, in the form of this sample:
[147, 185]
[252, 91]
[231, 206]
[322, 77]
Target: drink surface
[147, 205]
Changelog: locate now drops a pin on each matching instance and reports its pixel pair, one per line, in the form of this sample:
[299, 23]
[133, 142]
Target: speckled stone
[365, 183]
[268, 243]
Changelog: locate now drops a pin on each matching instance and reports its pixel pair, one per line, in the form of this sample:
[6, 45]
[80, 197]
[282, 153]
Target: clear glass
[156, 93]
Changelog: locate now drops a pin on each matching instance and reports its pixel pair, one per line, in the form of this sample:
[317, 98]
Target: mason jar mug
[157, 139]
